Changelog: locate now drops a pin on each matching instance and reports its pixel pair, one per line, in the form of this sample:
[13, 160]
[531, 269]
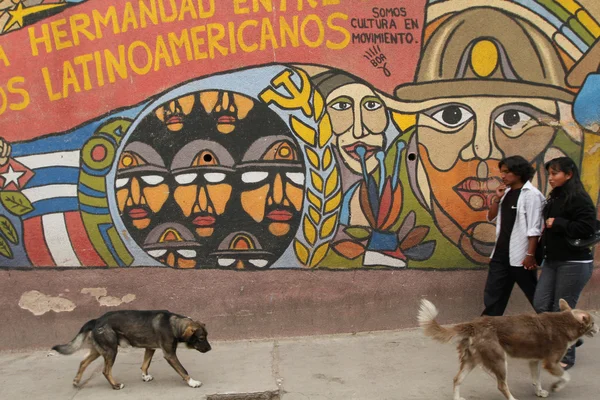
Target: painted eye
[186, 179]
[226, 262]
[296, 177]
[372, 105]
[259, 263]
[254, 176]
[341, 105]
[120, 182]
[514, 123]
[187, 253]
[153, 180]
[214, 177]
[452, 116]
[157, 253]
[510, 118]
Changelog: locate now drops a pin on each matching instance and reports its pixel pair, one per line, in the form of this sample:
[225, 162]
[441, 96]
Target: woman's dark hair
[518, 166]
[572, 187]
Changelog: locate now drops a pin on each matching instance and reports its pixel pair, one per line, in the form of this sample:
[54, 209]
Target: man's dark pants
[500, 281]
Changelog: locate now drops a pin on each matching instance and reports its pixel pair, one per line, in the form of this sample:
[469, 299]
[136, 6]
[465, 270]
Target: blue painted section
[56, 205]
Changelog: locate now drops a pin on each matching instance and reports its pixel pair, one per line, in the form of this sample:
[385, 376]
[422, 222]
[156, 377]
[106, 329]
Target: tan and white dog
[543, 339]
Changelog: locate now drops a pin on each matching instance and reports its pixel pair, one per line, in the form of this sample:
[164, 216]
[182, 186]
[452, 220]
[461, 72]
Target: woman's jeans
[561, 280]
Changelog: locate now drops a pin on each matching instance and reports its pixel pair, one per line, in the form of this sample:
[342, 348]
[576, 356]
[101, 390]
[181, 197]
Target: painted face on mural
[503, 93]
[273, 184]
[202, 170]
[358, 118]
[250, 180]
[140, 185]
[460, 144]
[227, 108]
[173, 244]
[242, 250]
[174, 112]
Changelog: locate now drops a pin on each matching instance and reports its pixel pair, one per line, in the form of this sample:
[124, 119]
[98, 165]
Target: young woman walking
[569, 213]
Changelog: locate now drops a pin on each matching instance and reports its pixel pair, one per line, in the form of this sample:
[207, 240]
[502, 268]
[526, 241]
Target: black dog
[145, 329]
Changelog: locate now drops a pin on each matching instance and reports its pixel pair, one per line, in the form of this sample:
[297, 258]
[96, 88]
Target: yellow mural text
[142, 55]
[247, 6]
[4, 57]
[13, 96]
[78, 28]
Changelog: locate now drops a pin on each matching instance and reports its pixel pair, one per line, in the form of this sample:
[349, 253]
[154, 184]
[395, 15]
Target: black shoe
[579, 342]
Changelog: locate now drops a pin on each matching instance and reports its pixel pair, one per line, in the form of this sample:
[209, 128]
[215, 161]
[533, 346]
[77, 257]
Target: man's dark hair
[518, 166]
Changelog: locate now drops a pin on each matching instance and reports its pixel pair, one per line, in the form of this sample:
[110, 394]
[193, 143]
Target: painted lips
[204, 220]
[175, 119]
[280, 215]
[351, 150]
[137, 213]
[478, 193]
[226, 119]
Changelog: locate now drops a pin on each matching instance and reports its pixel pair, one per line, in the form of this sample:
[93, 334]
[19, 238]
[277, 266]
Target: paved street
[379, 366]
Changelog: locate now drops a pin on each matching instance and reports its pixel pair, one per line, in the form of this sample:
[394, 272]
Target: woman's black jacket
[573, 219]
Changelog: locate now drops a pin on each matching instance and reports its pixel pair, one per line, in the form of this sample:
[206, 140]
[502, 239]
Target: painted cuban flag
[46, 172]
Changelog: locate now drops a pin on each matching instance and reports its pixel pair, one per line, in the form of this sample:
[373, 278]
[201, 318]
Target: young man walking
[518, 208]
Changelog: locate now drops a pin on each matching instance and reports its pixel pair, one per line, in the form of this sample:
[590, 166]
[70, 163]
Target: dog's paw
[118, 386]
[541, 393]
[76, 384]
[147, 378]
[558, 386]
[193, 383]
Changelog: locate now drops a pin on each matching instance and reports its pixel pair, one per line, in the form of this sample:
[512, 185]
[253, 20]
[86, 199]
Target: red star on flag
[14, 175]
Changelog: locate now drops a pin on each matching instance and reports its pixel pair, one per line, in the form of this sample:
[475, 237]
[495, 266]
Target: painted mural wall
[261, 134]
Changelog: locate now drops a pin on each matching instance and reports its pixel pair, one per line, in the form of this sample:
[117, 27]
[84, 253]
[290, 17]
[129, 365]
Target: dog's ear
[564, 306]
[582, 317]
[189, 331]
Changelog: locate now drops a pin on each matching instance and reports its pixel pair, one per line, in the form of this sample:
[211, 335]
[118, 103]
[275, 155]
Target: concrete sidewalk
[381, 365]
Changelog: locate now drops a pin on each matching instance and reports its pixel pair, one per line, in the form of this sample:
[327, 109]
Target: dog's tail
[426, 316]
[77, 341]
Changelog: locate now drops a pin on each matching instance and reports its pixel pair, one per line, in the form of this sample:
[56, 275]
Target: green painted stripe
[555, 9]
[569, 19]
[91, 223]
[93, 201]
[93, 182]
[581, 31]
[120, 247]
